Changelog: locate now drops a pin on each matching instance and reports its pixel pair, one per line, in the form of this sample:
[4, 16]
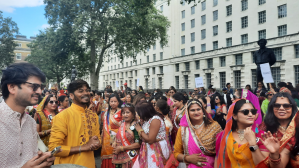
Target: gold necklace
[241, 134]
[283, 129]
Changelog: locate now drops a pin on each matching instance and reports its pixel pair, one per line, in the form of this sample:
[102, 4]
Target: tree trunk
[58, 82]
[94, 77]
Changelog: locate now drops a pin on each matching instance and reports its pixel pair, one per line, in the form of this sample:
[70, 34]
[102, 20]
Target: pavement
[98, 161]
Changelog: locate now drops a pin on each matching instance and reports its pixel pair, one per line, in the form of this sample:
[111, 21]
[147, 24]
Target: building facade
[22, 50]
[215, 40]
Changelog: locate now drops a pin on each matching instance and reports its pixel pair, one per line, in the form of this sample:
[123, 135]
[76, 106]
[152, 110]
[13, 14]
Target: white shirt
[18, 143]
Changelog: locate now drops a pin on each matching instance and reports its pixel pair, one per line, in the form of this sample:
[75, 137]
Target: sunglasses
[35, 86]
[246, 111]
[91, 94]
[51, 102]
[126, 105]
[285, 106]
[216, 99]
[171, 92]
[270, 94]
[195, 90]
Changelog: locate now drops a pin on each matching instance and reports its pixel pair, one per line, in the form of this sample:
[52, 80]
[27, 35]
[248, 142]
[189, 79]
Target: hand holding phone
[55, 150]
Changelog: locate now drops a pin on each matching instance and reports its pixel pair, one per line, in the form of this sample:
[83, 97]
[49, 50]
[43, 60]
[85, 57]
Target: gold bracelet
[139, 132]
[122, 149]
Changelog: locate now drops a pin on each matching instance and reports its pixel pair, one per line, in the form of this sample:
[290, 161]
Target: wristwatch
[253, 148]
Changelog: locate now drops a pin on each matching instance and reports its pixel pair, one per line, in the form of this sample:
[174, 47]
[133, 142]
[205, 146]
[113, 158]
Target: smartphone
[55, 150]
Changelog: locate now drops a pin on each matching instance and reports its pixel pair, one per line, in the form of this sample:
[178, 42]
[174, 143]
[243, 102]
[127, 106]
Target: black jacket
[266, 56]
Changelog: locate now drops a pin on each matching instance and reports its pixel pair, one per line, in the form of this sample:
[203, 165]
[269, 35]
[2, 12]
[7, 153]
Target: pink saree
[203, 144]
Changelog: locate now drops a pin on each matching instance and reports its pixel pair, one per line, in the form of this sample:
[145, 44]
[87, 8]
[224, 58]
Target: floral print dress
[156, 154]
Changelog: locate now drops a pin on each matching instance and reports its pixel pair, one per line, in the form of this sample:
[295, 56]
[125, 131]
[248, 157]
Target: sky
[28, 14]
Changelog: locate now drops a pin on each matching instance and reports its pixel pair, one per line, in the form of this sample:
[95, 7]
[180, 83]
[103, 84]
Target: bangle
[139, 132]
[184, 158]
[208, 104]
[277, 161]
[80, 150]
[122, 149]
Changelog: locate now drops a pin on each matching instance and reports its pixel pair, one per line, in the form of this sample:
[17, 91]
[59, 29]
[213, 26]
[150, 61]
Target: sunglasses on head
[51, 102]
[35, 86]
[126, 105]
[246, 111]
[285, 106]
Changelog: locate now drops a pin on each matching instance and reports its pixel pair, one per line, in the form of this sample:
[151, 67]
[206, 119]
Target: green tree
[110, 27]
[8, 29]
[55, 51]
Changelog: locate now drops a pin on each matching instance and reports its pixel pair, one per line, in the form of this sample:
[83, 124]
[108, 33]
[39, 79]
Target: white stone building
[214, 39]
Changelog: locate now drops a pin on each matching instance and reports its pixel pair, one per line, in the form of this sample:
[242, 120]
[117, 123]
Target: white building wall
[172, 52]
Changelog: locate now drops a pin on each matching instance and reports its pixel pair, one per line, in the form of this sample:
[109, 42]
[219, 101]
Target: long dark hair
[48, 100]
[271, 120]
[146, 110]
[179, 97]
[61, 99]
[131, 98]
[162, 105]
[118, 99]
[220, 98]
[237, 108]
[205, 119]
[138, 97]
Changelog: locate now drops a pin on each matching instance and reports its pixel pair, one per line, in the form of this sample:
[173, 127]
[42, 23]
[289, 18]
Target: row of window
[276, 73]
[281, 11]
[277, 51]
[239, 58]
[19, 56]
[282, 31]
[237, 78]
[121, 75]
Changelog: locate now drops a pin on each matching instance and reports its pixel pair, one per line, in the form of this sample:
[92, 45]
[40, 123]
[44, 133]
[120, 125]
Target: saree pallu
[123, 158]
[176, 123]
[154, 155]
[237, 155]
[192, 146]
[111, 124]
[287, 141]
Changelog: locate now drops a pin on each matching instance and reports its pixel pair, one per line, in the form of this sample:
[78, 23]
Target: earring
[204, 115]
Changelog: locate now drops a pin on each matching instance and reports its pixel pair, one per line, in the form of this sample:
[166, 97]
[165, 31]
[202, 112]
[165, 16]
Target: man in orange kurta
[76, 129]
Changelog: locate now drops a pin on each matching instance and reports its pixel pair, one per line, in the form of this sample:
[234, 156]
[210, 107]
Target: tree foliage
[110, 27]
[8, 29]
[55, 51]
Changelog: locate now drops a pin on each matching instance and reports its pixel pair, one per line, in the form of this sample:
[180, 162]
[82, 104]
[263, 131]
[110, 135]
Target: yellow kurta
[71, 128]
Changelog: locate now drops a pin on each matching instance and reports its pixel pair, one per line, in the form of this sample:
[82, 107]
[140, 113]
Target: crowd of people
[128, 128]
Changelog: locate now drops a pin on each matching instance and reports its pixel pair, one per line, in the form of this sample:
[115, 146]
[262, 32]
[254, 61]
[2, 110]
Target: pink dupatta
[193, 145]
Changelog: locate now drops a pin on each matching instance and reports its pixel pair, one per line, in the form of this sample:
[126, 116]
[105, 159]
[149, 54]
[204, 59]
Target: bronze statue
[262, 56]
[74, 73]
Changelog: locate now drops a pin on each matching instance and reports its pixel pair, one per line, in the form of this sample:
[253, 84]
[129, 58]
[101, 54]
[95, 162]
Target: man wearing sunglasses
[76, 129]
[21, 86]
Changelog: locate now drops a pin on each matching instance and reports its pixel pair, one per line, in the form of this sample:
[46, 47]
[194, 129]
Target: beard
[23, 100]
[79, 101]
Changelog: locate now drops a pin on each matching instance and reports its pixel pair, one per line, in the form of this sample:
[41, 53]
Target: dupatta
[222, 138]
[192, 144]
[287, 137]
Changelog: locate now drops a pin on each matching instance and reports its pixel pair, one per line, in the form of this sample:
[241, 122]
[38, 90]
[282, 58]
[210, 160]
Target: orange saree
[111, 123]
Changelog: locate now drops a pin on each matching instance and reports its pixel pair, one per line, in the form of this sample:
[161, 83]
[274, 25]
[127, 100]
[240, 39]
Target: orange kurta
[71, 128]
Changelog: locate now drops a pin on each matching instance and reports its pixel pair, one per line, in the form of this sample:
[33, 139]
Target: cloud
[44, 26]
[10, 5]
